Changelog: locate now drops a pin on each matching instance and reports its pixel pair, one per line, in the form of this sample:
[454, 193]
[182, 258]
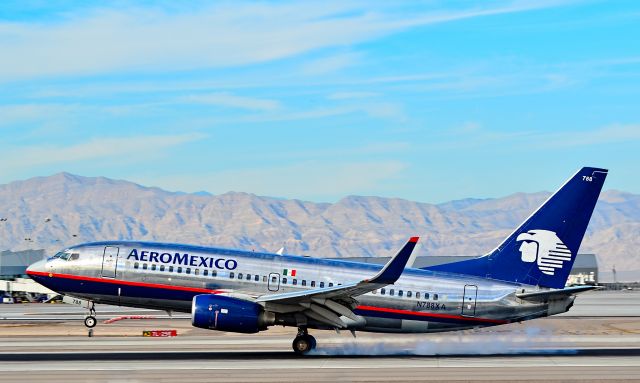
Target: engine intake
[218, 312]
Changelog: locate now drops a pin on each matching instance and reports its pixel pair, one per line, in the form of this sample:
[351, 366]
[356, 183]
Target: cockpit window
[74, 256]
[62, 255]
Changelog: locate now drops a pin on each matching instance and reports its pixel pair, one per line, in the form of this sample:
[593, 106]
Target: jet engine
[218, 312]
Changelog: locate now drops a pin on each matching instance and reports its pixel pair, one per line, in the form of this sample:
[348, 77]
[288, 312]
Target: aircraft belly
[409, 325]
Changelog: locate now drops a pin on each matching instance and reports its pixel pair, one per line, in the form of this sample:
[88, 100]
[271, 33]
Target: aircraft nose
[36, 268]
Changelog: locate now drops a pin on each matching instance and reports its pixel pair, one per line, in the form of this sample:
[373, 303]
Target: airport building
[14, 264]
[15, 286]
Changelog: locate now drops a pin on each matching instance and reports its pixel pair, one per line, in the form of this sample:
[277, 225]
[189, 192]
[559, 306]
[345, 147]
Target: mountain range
[64, 209]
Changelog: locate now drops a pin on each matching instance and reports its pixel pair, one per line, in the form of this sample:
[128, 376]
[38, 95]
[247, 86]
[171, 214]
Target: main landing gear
[90, 320]
[303, 343]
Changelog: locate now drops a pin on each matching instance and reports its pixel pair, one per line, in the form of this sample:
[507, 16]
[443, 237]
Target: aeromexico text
[183, 259]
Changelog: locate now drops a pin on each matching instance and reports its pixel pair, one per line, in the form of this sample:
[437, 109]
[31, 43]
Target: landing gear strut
[303, 343]
[90, 320]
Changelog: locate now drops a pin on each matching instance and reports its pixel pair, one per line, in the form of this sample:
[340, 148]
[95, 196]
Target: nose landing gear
[90, 320]
[303, 342]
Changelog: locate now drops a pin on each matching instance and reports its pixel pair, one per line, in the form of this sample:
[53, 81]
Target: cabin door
[109, 262]
[469, 300]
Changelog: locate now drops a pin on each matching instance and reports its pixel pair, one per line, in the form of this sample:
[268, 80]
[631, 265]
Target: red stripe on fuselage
[207, 291]
[123, 282]
[432, 315]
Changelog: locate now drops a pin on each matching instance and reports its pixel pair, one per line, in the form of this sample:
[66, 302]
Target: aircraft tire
[303, 344]
[90, 321]
[313, 342]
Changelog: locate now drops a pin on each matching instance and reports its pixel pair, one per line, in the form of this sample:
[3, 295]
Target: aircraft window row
[283, 281]
[232, 275]
[408, 293]
[171, 269]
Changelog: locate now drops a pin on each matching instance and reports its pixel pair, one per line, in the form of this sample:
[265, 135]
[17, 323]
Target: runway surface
[599, 340]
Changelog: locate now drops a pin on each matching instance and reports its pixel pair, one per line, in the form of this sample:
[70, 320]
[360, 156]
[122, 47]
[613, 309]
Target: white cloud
[473, 134]
[318, 180]
[330, 64]
[381, 110]
[232, 101]
[97, 148]
[227, 34]
[351, 95]
[11, 114]
[604, 135]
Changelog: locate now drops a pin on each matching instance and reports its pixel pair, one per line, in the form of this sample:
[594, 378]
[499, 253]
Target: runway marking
[268, 364]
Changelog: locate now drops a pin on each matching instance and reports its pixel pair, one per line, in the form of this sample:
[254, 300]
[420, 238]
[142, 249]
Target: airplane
[247, 292]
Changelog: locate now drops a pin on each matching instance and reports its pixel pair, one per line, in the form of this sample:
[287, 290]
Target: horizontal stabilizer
[541, 296]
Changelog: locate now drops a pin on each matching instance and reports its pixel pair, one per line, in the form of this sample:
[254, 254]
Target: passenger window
[274, 279]
[179, 270]
[426, 295]
[264, 279]
[205, 272]
[435, 297]
[153, 267]
[284, 281]
[214, 273]
[304, 282]
[171, 269]
[295, 282]
[391, 292]
[239, 275]
[417, 294]
[321, 284]
[196, 271]
[187, 270]
[257, 278]
[383, 291]
[136, 265]
[232, 275]
[313, 283]
[330, 284]
[408, 294]
[400, 293]
[74, 256]
[144, 266]
[248, 277]
[161, 267]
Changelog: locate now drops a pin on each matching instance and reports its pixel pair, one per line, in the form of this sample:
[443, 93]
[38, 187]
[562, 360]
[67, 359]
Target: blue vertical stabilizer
[542, 250]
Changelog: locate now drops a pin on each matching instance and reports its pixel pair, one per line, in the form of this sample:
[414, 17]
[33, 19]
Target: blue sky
[429, 101]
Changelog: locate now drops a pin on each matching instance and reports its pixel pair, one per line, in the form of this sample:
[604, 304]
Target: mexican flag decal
[291, 273]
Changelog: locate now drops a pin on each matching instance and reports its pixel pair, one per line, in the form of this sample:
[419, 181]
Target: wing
[328, 304]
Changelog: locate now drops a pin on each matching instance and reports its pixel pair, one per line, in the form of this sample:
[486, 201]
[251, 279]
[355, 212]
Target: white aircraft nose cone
[38, 267]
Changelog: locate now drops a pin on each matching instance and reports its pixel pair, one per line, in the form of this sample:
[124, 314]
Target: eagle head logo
[546, 248]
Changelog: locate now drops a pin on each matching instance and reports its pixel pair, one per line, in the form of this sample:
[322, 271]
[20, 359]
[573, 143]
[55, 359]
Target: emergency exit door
[109, 262]
[469, 300]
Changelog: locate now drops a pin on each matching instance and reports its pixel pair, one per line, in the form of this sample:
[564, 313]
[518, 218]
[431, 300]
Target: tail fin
[542, 250]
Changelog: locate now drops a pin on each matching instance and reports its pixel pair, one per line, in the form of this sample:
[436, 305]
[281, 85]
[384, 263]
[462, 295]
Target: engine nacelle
[217, 312]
